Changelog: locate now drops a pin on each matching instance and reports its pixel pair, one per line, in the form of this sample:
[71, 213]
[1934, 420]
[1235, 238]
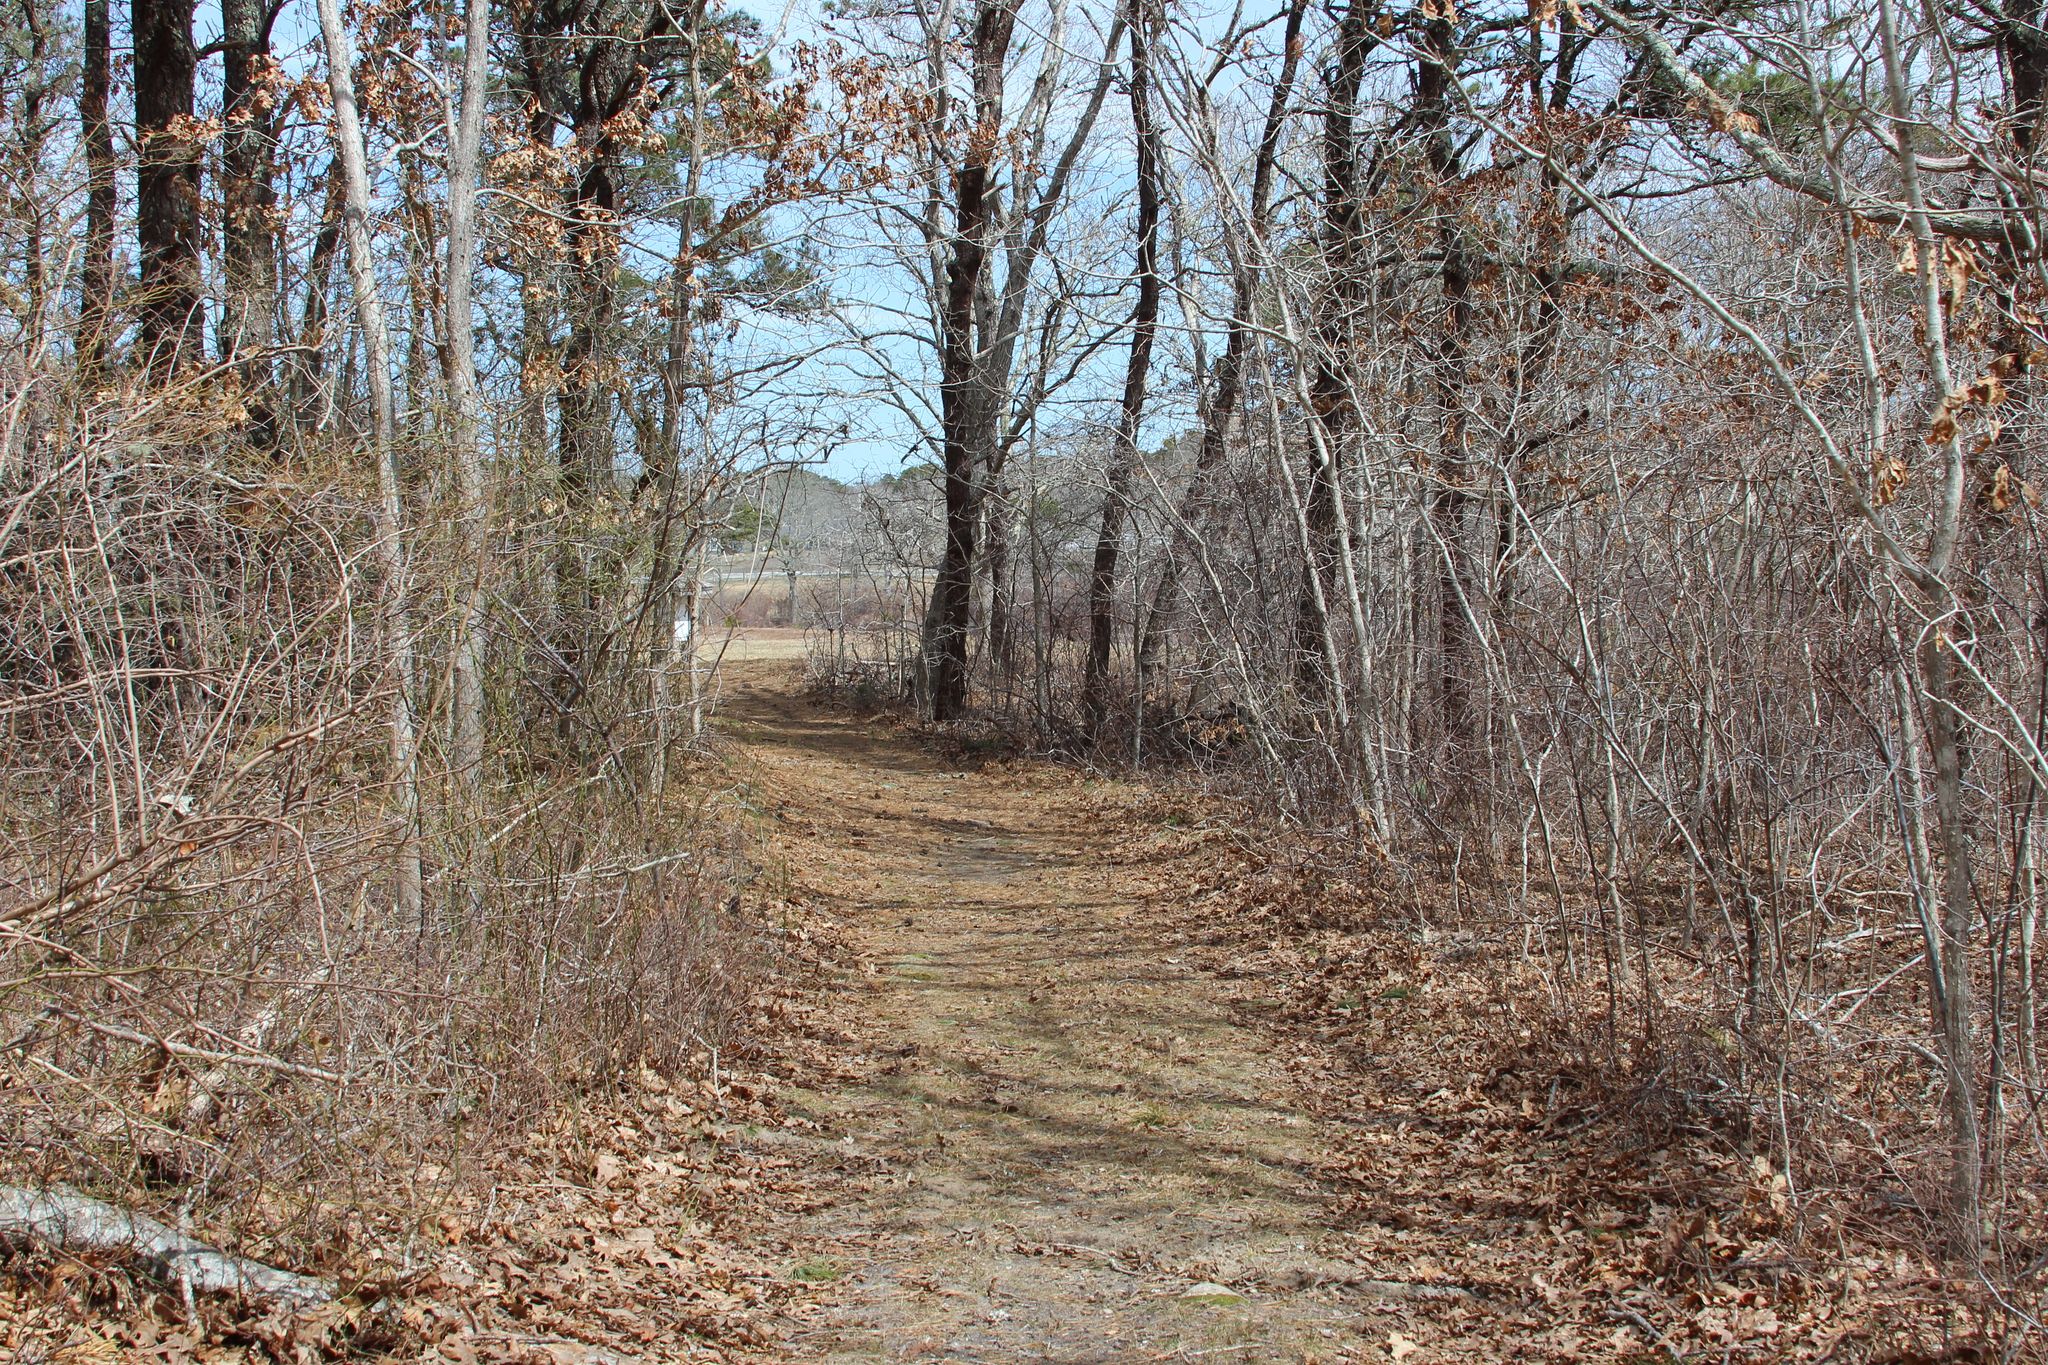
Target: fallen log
[64, 1220]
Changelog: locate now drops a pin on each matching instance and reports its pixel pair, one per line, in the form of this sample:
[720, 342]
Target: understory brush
[1715, 1168]
[262, 977]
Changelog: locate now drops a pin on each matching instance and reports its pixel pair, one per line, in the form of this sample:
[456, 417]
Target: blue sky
[876, 297]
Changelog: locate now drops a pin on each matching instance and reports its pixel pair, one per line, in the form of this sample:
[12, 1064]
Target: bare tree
[1144, 323]
[465, 150]
[349, 151]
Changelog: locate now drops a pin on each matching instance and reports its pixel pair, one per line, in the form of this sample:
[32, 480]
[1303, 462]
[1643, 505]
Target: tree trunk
[1330, 389]
[609, 80]
[1002, 598]
[1945, 689]
[1948, 746]
[309, 366]
[166, 184]
[465, 142]
[1450, 495]
[248, 200]
[964, 404]
[1144, 323]
[29, 211]
[73, 1224]
[390, 508]
[96, 274]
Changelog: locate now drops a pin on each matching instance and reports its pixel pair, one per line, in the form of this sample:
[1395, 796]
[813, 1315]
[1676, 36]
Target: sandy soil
[1062, 1134]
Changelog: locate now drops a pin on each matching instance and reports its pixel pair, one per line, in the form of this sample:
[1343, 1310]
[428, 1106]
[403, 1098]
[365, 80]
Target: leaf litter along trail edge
[1072, 1049]
[1044, 1134]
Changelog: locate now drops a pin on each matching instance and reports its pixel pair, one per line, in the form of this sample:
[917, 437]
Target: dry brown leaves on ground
[1491, 1144]
[634, 1226]
[1497, 1186]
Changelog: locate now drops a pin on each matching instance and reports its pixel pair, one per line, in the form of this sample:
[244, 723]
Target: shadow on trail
[1068, 1126]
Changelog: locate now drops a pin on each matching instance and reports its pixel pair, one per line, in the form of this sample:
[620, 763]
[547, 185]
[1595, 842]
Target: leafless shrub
[209, 1002]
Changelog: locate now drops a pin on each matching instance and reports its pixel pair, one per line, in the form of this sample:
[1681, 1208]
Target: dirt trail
[1062, 1129]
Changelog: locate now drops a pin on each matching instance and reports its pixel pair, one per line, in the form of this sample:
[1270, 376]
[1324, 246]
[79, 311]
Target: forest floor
[1059, 1143]
[1080, 1079]
[1050, 1066]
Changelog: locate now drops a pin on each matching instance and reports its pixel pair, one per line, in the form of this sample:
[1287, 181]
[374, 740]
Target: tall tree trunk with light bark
[351, 153]
[465, 144]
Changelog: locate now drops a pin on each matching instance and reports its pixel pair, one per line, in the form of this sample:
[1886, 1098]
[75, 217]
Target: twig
[1105, 1257]
[177, 1049]
[1642, 1324]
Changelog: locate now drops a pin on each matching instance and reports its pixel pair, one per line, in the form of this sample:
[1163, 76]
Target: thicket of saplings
[255, 975]
[1677, 786]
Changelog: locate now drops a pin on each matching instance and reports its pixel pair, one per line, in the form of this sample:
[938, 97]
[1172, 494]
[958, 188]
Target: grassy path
[1061, 1134]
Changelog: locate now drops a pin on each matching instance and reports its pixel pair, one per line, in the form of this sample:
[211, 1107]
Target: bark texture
[74, 1224]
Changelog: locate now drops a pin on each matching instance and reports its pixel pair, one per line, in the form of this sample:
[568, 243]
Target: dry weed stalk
[211, 1007]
